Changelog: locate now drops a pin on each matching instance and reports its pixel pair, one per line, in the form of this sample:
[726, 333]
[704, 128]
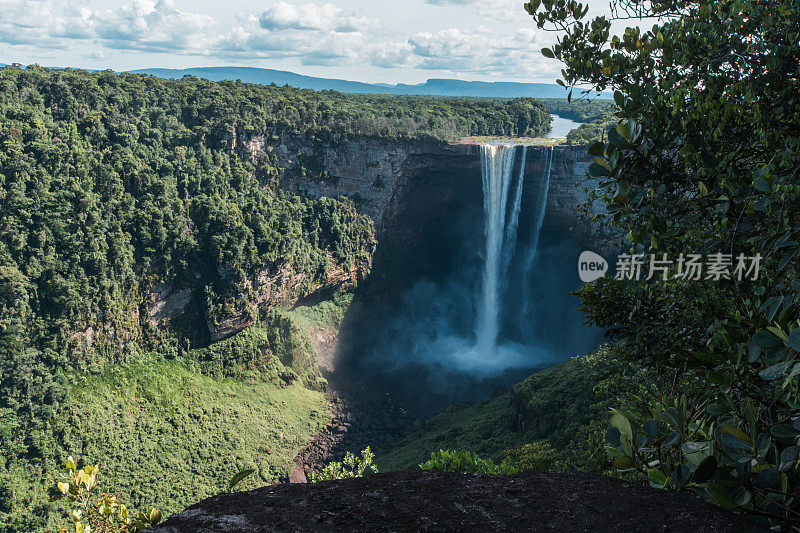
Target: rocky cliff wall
[387, 178]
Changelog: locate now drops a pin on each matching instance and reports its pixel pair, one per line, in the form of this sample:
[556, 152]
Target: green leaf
[767, 340]
[597, 149]
[546, 52]
[689, 448]
[624, 463]
[761, 184]
[613, 436]
[657, 477]
[624, 132]
[794, 339]
[603, 163]
[743, 497]
[718, 409]
[775, 371]
[783, 432]
[672, 439]
[767, 478]
[621, 423]
[155, 516]
[721, 496]
[793, 374]
[235, 480]
[705, 470]
[733, 445]
[788, 458]
[597, 171]
[736, 432]
[651, 428]
[753, 351]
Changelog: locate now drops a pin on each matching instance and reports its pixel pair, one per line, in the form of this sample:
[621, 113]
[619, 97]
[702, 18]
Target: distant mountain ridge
[433, 87]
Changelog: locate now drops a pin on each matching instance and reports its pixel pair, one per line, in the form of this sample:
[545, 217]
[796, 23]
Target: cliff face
[391, 181]
[414, 192]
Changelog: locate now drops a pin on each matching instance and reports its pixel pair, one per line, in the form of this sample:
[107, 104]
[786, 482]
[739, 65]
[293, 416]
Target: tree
[704, 158]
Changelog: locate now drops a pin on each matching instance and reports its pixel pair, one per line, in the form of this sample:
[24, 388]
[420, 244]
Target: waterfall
[500, 225]
[511, 227]
[538, 220]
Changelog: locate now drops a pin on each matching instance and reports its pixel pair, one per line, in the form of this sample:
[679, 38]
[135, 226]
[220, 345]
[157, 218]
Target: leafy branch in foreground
[97, 513]
[704, 158]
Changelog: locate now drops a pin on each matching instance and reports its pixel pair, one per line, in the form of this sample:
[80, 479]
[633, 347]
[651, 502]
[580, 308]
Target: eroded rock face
[387, 178]
[270, 288]
[412, 191]
[166, 303]
[414, 500]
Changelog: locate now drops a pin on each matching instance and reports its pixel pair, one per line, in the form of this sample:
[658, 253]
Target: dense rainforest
[118, 192]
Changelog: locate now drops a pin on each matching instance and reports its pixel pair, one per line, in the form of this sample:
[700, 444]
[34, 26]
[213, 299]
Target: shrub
[465, 462]
[534, 456]
[351, 467]
[700, 161]
[103, 513]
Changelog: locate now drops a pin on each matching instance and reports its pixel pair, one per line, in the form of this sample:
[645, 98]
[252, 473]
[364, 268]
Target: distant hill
[433, 87]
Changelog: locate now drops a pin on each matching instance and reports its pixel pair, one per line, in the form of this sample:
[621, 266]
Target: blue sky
[404, 41]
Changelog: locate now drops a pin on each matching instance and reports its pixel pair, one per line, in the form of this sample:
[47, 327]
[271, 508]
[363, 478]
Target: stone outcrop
[284, 286]
[166, 303]
[414, 500]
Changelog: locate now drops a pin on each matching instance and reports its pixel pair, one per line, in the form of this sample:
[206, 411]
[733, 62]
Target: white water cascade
[500, 232]
[538, 220]
[499, 337]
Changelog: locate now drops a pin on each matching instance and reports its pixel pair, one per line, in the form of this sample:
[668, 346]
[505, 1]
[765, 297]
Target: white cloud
[306, 33]
[37, 22]
[480, 51]
[141, 25]
[325, 17]
[144, 25]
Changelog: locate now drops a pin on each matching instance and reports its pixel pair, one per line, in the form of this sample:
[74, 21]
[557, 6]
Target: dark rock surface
[423, 501]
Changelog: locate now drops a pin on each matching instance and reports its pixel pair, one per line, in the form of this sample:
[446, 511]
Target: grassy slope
[170, 433]
[327, 314]
[167, 436]
[562, 396]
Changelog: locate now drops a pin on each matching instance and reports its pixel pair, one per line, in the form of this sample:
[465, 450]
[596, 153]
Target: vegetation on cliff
[585, 110]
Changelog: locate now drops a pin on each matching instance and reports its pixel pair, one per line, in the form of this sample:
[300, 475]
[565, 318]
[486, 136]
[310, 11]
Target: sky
[400, 41]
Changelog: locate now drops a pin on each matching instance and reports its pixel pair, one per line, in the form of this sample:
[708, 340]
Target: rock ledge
[414, 500]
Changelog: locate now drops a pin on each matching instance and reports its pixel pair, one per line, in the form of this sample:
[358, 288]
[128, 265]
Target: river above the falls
[560, 127]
